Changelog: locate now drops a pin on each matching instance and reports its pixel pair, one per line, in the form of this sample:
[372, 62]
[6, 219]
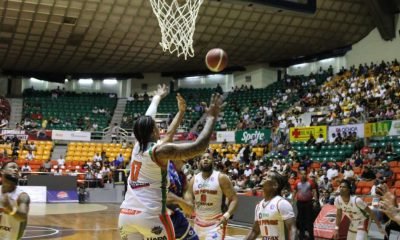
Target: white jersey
[271, 215]
[208, 197]
[11, 228]
[353, 209]
[146, 183]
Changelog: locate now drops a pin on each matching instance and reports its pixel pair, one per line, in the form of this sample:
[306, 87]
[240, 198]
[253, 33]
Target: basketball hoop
[177, 22]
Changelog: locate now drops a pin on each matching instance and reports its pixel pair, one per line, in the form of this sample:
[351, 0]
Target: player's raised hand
[216, 104]
[181, 103]
[162, 90]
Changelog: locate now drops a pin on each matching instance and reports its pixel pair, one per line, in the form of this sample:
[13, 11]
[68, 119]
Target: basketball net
[177, 22]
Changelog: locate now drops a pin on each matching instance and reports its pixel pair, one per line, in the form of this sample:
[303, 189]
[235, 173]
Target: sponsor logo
[271, 238]
[62, 195]
[346, 129]
[248, 136]
[157, 238]
[5, 228]
[123, 233]
[156, 230]
[135, 185]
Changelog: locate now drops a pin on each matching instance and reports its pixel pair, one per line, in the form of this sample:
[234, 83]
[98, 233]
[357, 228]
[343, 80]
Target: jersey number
[203, 198]
[135, 168]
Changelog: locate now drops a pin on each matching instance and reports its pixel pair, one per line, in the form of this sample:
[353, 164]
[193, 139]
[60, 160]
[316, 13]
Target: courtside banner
[229, 136]
[358, 128]
[62, 196]
[302, 134]
[248, 135]
[324, 225]
[37, 194]
[70, 135]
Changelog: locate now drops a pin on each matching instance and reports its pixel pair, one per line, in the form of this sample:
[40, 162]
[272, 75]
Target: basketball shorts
[183, 230]
[209, 230]
[358, 230]
[137, 225]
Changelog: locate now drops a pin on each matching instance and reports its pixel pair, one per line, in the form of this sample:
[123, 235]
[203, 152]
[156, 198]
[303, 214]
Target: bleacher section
[169, 105]
[250, 99]
[79, 152]
[68, 108]
[383, 142]
[42, 153]
[331, 152]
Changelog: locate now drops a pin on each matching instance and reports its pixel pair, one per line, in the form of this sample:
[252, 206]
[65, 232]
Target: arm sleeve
[152, 110]
[256, 212]
[337, 205]
[360, 203]
[286, 210]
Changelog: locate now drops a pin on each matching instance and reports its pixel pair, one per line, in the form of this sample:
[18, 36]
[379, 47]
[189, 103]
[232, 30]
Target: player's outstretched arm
[161, 92]
[290, 225]
[18, 211]
[230, 194]
[255, 231]
[187, 206]
[169, 137]
[181, 152]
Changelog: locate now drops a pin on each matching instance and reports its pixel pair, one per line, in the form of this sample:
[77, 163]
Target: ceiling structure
[122, 36]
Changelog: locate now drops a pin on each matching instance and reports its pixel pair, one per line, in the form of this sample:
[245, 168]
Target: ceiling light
[326, 60]
[34, 80]
[110, 81]
[85, 81]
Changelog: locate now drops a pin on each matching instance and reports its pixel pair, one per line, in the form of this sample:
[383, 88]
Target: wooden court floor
[83, 222]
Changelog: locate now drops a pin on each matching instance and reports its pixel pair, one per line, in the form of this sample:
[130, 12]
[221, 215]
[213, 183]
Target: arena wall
[260, 76]
[374, 49]
[3, 85]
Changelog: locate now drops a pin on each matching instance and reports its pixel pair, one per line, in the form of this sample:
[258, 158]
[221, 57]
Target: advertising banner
[70, 135]
[302, 134]
[247, 135]
[395, 128]
[378, 129]
[37, 194]
[58, 196]
[324, 225]
[358, 128]
[41, 135]
[229, 136]
[11, 133]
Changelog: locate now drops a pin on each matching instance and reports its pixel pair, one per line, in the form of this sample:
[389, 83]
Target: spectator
[30, 156]
[61, 161]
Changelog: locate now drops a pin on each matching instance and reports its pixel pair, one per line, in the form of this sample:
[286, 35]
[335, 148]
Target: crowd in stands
[5, 111]
[370, 92]
[63, 110]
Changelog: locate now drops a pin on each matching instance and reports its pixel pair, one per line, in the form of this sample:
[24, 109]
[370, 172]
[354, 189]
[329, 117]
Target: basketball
[216, 60]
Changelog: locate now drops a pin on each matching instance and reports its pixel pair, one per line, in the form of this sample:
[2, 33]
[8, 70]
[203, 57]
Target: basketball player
[274, 215]
[356, 210]
[207, 189]
[143, 212]
[175, 202]
[14, 204]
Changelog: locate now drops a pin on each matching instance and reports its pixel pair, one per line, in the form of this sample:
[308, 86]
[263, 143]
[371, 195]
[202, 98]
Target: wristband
[13, 212]
[227, 215]
[336, 228]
